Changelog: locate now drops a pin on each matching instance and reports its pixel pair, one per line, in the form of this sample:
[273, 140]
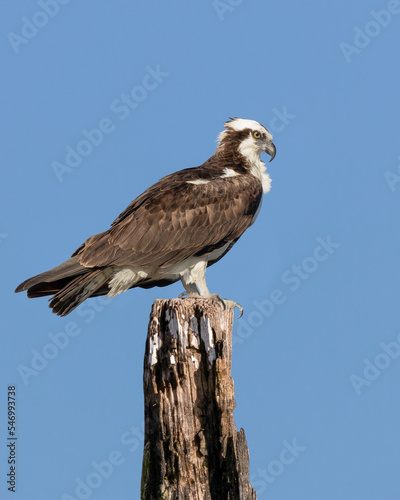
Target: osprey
[178, 227]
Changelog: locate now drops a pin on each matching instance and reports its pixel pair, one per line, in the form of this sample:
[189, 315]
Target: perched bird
[178, 227]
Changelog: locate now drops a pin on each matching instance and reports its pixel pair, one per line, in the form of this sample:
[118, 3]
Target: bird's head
[246, 137]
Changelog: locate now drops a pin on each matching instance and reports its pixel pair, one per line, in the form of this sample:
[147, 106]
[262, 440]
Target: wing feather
[174, 220]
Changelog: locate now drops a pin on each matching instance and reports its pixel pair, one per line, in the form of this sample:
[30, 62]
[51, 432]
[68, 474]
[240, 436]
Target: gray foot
[230, 304]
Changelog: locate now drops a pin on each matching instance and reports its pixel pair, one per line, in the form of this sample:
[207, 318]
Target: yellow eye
[256, 134]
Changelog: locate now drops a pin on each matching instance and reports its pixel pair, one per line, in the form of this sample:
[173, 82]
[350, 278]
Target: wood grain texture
[192, 448]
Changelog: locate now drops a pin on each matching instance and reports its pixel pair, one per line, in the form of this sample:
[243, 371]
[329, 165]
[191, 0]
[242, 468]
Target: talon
[225, 302]
[215, 296]
[189, 295]
[232, 304]
[240, 309]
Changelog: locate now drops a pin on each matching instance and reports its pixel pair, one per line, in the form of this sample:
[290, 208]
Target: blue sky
[316, 360]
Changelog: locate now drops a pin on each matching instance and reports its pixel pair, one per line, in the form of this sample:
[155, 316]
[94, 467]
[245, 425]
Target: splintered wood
[192, 448]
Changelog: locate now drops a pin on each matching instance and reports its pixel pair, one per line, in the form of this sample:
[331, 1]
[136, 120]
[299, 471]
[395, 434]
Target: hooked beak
[271, 150]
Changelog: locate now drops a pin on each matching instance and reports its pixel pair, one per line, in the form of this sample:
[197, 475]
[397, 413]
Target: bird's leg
[191, 290]
[194, 281]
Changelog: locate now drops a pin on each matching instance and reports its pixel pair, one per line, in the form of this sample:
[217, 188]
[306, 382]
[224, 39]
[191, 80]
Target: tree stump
[192, 449]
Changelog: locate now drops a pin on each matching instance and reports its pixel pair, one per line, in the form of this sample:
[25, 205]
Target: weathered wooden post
[192, 449]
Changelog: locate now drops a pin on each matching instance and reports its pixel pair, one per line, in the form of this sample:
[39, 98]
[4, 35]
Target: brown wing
[174, 220]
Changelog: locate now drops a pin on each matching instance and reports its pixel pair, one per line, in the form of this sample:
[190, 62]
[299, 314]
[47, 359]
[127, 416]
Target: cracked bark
[192, 449]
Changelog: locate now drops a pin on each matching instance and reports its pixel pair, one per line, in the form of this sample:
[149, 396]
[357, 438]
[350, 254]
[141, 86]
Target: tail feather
[78, 290]
[70, 283]
[67, 269]
[42, 289]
